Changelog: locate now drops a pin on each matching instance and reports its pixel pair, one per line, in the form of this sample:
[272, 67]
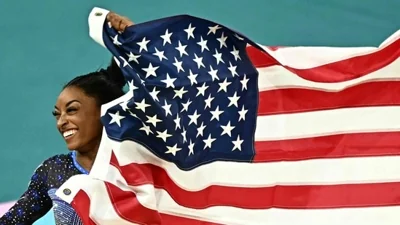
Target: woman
[77, 112]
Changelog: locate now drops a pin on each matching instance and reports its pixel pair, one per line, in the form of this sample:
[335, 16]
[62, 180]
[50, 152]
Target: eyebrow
[68, 103]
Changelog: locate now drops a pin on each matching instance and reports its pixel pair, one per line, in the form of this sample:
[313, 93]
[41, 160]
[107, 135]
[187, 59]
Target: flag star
[163, 135]
[173, 150]
[116, 118]
[186, 106]
[181, 48]
[202, 89]
[166, 37]
[184, 135]
[160, 54]
[208, 142]
[222, 40]
[167, 108]
[215, 114]
[237, 144]
[242, 114]
[153, 120]
[203, 44]
[200, 130]
[213, 29]
[180, 93]
[143, 44]
[115, 40]
[125, 62]
[234, 100]
[213, 73]
[192, 77]
[133, 57]
[235, 54]
[124, 105]
[238, 37]
[191, 148]
[194, 117]
[169, 81]
[150, 71]
[109, 24]
[223, 86]
[177, 121]
[244, 82]
[208, 101]
[227, 129]
[142, 105]
[178, 65]
[218, 57]
[199, 61]
[132, 87]
[232, 69]
[146, 129]
[189, 31]
[154, 94]
[133, 115]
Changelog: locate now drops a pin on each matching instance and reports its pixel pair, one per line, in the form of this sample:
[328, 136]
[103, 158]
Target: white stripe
[276, 77]
[319, 171]
[327, 122]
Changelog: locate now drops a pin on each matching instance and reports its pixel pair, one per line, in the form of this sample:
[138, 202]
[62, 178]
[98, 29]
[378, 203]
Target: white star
[227, 129]
[163, 135]
[234, 100]
[116, 118]
[186, 106]
[150, 71]
[177, 122]
[180, 93]
[166, 37]
[203, 44]
[184, 135]
[194, 117]
[213, 29]
[133, 57]
[237, 144]
[124, 105]
[153, 120]
[115, 40]
[208, 101]
[181, 48]
[238, 37]
[143, 44]
[178, 65]
[133, 115]
[244, 82]
[215, 114]
[154, 94]
[132, 87]
[208, 142]
[199, 61]
[167, 108]
[191, 148]
[242, 114]
[213, 73]
[173, 150]
[222, 40]
[125, 62]
[142, 105]
[161, 55]
[192, 77]
[202, 89]
[189, 31]
[200, 130]
[223, 86]
[109, 24]
[146, 129]
[218, 57]
[232, 69]
[169, 81]
[235, 54]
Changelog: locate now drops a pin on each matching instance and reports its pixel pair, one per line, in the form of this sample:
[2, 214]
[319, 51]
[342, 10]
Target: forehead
[72, 93]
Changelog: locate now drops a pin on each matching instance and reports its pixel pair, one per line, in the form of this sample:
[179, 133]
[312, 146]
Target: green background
[45, 43]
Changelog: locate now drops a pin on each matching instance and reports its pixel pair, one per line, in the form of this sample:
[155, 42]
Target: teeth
[69, 133]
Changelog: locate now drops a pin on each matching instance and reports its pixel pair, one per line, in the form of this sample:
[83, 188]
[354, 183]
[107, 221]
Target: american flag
[218, 130]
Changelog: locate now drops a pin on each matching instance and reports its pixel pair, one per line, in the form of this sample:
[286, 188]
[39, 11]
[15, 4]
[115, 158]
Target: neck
[86, 159]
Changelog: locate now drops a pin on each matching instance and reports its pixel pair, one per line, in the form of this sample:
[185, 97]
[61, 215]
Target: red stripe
[294, 100]
[334, 146]
[81, 205]
[343, 70]
[294, 197]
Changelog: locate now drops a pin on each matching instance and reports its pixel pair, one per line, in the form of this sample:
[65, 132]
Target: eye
[71, 110]
[55, 113]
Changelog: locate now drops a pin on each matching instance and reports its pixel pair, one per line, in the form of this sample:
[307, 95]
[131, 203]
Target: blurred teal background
[45, 43]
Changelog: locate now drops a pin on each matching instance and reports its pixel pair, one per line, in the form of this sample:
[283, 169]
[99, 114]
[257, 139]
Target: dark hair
[104, 85]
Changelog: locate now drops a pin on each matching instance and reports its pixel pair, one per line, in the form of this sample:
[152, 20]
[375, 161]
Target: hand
[120, 23]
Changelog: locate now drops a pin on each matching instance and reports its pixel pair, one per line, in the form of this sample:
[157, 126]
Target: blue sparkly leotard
[40, 196]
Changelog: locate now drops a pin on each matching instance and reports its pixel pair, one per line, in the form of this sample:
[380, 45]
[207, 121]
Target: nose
[62, 122]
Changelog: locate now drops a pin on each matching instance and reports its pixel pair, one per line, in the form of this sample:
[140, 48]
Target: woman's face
[78, 120]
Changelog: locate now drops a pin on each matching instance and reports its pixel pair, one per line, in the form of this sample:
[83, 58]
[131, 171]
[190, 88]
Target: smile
[69, 133]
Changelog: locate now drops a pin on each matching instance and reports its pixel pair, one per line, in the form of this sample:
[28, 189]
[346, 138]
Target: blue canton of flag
[195, 91]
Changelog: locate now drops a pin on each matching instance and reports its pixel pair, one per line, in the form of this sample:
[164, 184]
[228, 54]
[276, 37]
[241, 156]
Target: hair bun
[114, 74]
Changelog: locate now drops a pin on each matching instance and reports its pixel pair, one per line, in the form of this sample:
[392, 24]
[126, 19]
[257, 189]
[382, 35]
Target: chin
[72, 146]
